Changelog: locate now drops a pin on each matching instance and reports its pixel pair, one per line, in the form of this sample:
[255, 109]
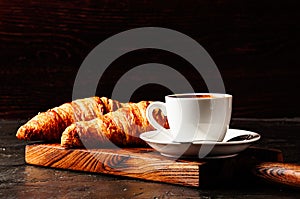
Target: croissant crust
[120, 128]
[49, 125]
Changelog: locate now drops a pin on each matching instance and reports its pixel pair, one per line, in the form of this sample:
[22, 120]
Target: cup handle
[153, 122]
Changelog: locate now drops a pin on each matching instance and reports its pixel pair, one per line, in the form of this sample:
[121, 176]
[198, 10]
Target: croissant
[119, 128]
[50, 125]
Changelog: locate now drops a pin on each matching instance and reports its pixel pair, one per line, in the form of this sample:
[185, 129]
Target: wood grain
[137, 163]
[281, 173]
[254, 44]
[146, 164]
[27, 181]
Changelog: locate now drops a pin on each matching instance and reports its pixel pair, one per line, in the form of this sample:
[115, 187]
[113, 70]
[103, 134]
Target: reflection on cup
[194, 116]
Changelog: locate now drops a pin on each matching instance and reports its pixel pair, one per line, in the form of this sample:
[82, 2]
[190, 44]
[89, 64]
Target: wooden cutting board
[146, 164]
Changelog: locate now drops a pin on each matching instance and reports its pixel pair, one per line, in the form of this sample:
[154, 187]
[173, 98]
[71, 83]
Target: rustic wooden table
[19, 180]
[43, 43]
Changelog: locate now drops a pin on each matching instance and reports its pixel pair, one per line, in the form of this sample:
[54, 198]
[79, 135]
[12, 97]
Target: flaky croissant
[121, 128]
[49, 125]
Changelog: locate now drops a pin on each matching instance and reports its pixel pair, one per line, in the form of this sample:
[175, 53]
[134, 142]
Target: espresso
[192, 96]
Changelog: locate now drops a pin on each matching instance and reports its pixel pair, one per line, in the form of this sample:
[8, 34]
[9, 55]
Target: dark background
[255, 45]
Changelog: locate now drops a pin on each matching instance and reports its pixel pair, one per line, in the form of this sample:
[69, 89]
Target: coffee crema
[192, 96]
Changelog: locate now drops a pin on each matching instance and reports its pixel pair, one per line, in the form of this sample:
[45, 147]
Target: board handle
[282, 173]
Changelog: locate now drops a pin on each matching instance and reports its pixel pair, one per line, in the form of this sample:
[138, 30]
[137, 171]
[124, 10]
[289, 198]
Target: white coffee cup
[194, 116]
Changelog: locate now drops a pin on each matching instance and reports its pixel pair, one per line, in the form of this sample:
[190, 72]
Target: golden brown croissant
[121, 128]
[49, 125]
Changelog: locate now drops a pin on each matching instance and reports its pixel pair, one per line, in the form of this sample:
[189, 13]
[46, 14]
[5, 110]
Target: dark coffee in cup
[194, 116]
[192, 96]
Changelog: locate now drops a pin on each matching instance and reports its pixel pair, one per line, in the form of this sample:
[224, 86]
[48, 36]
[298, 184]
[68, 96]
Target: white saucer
[199, 149]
